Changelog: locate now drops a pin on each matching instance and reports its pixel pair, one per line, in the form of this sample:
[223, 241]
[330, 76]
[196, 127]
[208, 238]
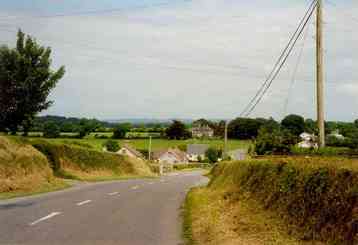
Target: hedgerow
[318, 197]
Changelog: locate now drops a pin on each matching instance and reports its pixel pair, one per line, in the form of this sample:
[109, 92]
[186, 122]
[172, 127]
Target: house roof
[133, 151]
[180, 155]
[197, 149]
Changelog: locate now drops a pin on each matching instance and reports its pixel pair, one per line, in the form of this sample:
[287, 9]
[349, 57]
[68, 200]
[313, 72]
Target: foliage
[26, 80]
[294, 123]
[244, 128]
[275, 142]
[177, 131]
[87, 126]
[121, 130]
[111, 145]
[212, 154]
[51, 130]
[317, 197]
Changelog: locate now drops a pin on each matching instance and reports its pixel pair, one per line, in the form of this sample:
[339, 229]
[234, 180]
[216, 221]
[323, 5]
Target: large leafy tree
[294, 123]
[121, 130]
[26, 80]
[177, 130]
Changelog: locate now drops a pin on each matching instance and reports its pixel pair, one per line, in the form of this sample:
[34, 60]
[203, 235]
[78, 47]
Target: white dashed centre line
[151, 183]
[135, 187]
[45, 218]
[83, 203]
[113, 193]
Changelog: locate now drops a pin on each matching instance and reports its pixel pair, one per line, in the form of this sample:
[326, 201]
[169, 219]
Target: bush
[51, 130]
[212, 154]
[318, 197]
[275, 142]
[111, 145]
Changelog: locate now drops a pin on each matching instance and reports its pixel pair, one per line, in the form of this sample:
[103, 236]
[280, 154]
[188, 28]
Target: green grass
[157, 144]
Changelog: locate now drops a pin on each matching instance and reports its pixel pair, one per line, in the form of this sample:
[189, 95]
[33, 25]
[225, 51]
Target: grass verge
[213, 217]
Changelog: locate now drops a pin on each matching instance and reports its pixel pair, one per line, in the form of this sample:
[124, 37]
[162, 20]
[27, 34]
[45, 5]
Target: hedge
[317, 196]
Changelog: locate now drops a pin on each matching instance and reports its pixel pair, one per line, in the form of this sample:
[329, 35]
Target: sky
[188, 58]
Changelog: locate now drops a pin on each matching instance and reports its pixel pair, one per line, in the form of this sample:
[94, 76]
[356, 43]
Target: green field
[142, 144]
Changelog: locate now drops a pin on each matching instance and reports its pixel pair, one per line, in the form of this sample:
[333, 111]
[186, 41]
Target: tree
[244, 128]
[26, 80]
[51, 130]
[86, 127]
[212, 154]
[111, 145]
[278, 141]
[294, 123]
[356, 123]
[310, 126]
[177, 130]
[121, 130]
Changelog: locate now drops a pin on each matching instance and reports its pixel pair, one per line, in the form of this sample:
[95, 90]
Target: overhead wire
[281, 61]
[294, 74]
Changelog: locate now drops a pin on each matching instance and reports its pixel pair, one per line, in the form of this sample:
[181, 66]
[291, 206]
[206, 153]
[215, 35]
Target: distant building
[238, 154]
[170, 156]
[337, 135]
[129, 151]
[308, 141]
[202, 131]
[194, 151]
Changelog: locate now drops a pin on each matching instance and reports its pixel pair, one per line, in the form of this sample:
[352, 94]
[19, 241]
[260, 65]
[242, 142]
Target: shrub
[51, 130]
[111, 145]
[212, 154]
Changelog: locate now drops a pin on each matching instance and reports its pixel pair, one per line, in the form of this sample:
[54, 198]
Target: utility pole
[319, 70]
[150, 148]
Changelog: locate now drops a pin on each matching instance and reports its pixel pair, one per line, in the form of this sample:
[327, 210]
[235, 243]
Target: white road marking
[113, 193]
[162, 180]
[151, 183]
[135, 187]
[45, 218]
[84, 202]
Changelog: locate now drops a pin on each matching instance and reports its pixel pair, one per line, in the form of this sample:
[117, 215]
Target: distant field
[108, 134]
[157, 144]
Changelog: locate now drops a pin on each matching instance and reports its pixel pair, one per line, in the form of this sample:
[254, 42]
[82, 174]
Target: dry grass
[23, 168]
[218, 218]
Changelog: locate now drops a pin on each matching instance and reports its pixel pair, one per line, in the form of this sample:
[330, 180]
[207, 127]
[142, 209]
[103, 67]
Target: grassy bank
[30, 167]
[24, 170]
[317, 198]
[214, 217]
[86, 164]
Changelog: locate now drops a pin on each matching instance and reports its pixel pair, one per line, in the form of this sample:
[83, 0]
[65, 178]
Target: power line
[312, 6]
[293, 80]
[267, 84]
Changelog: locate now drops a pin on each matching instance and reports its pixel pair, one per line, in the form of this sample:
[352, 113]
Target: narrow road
[133, 212]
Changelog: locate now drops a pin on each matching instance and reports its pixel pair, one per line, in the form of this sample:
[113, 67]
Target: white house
[194, 151]
[171, 156]
[308, 141]
[238, 154]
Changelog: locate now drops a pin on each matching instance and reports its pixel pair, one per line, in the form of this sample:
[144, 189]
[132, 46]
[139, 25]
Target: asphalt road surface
[133, 212]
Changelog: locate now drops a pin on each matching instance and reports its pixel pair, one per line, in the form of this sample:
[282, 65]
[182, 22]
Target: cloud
[204, 58]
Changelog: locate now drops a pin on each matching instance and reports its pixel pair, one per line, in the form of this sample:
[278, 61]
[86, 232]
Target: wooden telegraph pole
[319, 70]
